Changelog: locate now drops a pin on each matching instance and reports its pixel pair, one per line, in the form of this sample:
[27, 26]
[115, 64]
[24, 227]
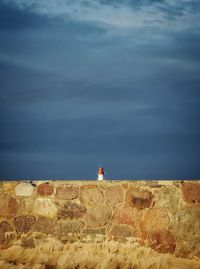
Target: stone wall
[161, 215]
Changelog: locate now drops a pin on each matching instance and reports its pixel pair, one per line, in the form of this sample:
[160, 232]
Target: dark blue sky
[90, 82]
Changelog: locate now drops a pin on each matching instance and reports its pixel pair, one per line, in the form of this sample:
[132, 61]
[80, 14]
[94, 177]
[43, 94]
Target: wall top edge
[110, 181]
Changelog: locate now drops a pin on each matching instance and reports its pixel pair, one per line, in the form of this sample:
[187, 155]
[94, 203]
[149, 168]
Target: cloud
[120, 14]
[85, 83]
[14, 18]
[131, 3]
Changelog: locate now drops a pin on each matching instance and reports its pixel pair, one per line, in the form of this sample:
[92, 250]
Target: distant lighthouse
[100, 173]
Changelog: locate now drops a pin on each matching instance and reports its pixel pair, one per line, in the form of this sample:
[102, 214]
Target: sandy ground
[111, 255]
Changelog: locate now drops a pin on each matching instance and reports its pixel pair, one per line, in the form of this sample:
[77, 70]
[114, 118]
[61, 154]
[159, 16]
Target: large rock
[168, 197]
[45, 225]
[98, 216]
[24, 189]
[71, 210]
[114, 195]
[95, 231]
[5, 230]
[91, 195]
[139, 198]
[24, 224]
[26, 206]
[186, 227]
[8, 206]
[65, 227]
[162, 241]
[45, 207]
[127, 215]
[119, 232]
[154, 219]
[67, 192]
[45, 189]
[8, 186]
[68, 231]
[191, 192]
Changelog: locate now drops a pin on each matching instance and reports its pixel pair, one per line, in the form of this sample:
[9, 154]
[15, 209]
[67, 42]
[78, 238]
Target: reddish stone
[162, 241]
[24, 224]
[67, 192]
[154, 219]
[5, 227]
[71, 210]
[191, 192]
[45, 189]
[114, 195]
[8, 206]
[5, 246]
[127, 215]
[118, 231]
[139, 198]
[91, 195]
[98, 216]
[44, 225]
[142, 237]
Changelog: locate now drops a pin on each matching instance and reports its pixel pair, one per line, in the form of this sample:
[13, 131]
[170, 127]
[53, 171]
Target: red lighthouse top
[101, 171]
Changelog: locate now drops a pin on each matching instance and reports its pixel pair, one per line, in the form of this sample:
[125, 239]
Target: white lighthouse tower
[100, 174]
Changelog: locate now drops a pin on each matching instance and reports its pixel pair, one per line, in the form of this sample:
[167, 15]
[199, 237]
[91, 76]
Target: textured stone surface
[5, 229]
[154, 219]
[28, 242]
[23, 224]
[168, 197]
[45, 189]
[124, 186]
[94, 231]
[170, 223]
[45, 225]
[1, 187]
[9, 186]
[26, 206]
[120, 231]
[191, 192]
[139, 198]
[8, 206]
[91, 195]
[114, 195]
[71, 210]
[45, 207]
[127, 215]
[98, 216]
[67, 191]
[68, 231]
[64, 227]
[186, 227]
[162, 241]
[24, 189]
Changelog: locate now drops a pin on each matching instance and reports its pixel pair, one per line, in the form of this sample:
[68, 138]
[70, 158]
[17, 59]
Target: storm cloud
[89, 83]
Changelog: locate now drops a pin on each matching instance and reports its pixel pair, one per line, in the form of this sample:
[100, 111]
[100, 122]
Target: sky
[85, 83]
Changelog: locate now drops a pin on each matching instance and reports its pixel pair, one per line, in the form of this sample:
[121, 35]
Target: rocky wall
[160, 215]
